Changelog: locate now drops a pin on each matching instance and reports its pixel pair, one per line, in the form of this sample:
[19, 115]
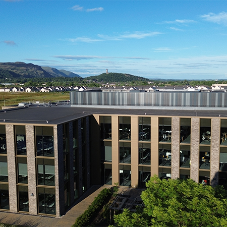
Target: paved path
[65, 221]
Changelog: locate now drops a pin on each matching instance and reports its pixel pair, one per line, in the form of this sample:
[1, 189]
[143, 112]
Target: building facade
[50, 156]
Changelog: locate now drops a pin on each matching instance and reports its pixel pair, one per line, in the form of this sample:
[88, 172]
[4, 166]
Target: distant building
[107, 71]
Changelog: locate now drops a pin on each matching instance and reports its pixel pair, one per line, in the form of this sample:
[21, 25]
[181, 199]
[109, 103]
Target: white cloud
[77, 8]
[84, 57]
[162, 49]
[84, 40]
[220, 18]
[95, 9]
[135, 35]
[179, 22]
[175, 29]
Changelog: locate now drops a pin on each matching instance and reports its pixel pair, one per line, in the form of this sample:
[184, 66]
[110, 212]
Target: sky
[156, 39]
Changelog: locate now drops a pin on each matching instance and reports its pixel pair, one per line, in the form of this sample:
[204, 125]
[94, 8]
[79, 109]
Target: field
[8, 98]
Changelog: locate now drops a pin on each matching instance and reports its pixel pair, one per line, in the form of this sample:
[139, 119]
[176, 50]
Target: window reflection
[125, 175]
[124, 128]
[4, 196]
[144, 175]
[164, 173]
[23, 198]
[46, 172]
[144, 129]
[205, 131]
[164, 154]
[22, 170]
[165, 130]
[20, 139]
[44, 141]
[105, 124]
[2, 139]
[108, 174]
[46, 197]
[144, 153]
[125, 152]
[185, 156]
[3, 169]
[223, 135]
[223, 158]
[185, 130]
[204, 158]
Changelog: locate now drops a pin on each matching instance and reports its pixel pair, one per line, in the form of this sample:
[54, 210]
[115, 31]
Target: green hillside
[115, 77]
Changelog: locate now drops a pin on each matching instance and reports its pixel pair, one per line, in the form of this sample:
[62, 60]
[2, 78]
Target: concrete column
[59, 170]
[195, 130]
[31, 165]
[134, 151]
[175, 149]
[115, 150]
[215, 150]
[10, 146]
[154, 146]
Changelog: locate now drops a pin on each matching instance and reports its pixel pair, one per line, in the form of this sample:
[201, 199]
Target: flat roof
[60, 114]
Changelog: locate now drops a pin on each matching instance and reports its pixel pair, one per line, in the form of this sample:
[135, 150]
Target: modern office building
[49, 156]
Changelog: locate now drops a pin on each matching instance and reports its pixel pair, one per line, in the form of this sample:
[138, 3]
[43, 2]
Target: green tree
[178, 203]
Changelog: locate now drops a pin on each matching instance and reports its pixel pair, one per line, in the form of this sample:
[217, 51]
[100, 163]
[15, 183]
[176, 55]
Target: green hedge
[94, 208]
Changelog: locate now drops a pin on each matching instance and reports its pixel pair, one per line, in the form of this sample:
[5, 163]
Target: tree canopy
[176, 202]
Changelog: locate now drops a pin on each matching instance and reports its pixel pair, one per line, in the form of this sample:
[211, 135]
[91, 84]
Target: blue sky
[166, 39]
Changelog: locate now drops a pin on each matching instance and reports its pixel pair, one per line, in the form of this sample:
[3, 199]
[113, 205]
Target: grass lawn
[8, 98]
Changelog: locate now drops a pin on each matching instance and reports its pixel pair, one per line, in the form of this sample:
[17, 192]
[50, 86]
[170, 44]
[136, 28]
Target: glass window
[125, 152]
[184, 174]
[22, 170]
[20, 137]
[204, 157]
[223, 158]
[185, 156]
[125, 175]
[165, 130]
[44, 141]
[2, 139]
[108, 174]
[23, 203]
[46, 198]
[222, 179]
[3, 169]
[185, 130]
[105, 124]
[4, 196]
[164, 154]
[124, 128]
[144, 128]
[106, 148]
[144, 153]
[204, 177]
[75, 134]
[164, 173]
[46, 171]
[144, 175]
[205, 131]
[223, 135]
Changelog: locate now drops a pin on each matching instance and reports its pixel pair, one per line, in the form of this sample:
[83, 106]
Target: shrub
[94, 208]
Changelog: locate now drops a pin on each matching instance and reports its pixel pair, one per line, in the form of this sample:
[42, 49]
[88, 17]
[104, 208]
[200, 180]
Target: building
[49, 156]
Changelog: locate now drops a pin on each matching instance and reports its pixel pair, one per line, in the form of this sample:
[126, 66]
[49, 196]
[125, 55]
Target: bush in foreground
[92, 211]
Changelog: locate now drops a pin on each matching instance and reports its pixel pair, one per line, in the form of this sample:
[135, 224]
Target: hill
[59, 73]
[116, 77]
[21, 70]
[15, 70]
